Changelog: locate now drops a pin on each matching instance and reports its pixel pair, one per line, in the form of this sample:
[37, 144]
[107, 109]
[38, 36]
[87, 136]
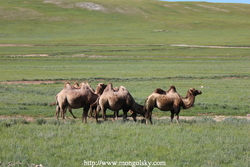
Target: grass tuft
[40, 121]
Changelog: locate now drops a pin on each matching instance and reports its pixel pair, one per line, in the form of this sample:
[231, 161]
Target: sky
[215, 1]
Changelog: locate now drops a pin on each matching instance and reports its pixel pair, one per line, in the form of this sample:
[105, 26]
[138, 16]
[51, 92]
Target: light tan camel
[66, 86]
[74, 98]
[169, 101]
[116, 100]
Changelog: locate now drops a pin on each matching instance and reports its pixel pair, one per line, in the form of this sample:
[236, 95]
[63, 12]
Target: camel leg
[70, 110]
[177, 118]
[93, 108]
[125, 115]
[148, 117]
[116, 115]
[57, 111]
[92, 111]
[63, 112]
[98, 109]
[172, 116]
[85, 114]
[134, 115]
[104, 114]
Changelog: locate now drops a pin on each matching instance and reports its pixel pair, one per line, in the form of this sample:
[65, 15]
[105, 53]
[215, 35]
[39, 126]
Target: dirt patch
[30, 55]
[203, 46]
[128, 45]
[84, 5]
[213, 8]
[217, 118]
[30, 82]
[13, 45]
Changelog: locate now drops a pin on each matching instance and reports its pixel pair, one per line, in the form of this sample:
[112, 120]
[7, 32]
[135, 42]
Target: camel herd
[106, 97]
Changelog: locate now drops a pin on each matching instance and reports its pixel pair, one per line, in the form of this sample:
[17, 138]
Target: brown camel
[99, 90]
[116, 100]
[67, 86]
[74, 98]
[169, 101]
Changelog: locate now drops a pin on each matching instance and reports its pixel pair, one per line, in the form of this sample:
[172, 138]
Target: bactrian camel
[116, 100]
[67, 86]
[169, 101]
[74, 98]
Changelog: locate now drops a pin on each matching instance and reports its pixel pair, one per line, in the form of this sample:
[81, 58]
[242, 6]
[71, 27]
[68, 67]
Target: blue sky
[215, 1]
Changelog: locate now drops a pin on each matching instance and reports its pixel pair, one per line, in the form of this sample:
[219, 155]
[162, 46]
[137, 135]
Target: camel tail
[56, 101]
[146, 103]
[150, 103]
[53, 104]
[57, 107]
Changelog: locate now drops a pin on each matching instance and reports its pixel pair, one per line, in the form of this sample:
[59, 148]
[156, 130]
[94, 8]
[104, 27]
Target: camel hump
[100, 88]
[109, 87]
[159, 91]
[116, 89]
[67, 86]
[76, 85]
[99, 85]
[89, 87]
[172, 88]
[83, 85]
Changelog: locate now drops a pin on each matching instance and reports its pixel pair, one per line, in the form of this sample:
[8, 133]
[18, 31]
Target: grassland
[132, 43]
[59, 22]
[222, 79]
[199, 142]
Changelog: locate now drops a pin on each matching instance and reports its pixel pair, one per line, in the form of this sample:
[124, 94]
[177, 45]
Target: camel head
[194, 92]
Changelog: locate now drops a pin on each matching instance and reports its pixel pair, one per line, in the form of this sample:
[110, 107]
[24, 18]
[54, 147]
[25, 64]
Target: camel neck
[188, 101]
[137, 108]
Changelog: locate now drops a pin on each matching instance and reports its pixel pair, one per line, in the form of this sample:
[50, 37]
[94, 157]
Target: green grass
[199, 142]
[221, 74]
[221, 96]
[130, 22]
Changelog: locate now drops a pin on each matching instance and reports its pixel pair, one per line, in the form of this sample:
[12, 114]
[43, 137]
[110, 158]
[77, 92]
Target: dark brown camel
[169, 101]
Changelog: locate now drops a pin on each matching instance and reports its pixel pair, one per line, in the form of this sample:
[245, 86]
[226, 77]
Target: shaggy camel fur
[116, 100]
[169, 101]
[74, 98]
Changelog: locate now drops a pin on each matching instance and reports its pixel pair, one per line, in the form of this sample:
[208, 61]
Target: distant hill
[123, 22]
